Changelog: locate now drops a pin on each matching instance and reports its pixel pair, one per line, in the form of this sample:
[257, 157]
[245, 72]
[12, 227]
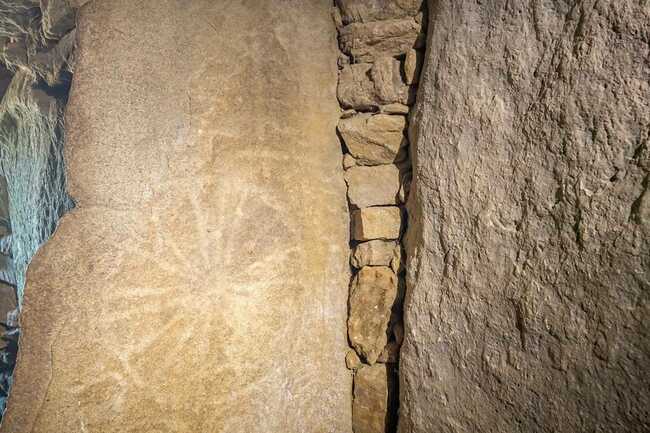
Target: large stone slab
[529, 252]
[201, 283]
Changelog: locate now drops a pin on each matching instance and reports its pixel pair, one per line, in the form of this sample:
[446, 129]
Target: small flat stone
[376, 10]
[377, 253]
[377, 223]
[366, 42]
[366, 87]
[373, 186]
[394, 109]
[374, 139]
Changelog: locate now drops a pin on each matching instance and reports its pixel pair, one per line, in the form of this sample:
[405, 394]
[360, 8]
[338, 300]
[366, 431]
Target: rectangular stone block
[376, 253]
[373, 186]
[384, 222]
[374, 139]
[366, 42]
[371, 399]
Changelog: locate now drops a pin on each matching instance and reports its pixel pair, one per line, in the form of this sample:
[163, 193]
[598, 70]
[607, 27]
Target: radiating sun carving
[193, 278]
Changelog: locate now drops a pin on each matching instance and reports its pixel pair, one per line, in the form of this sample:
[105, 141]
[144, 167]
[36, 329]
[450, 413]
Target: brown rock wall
[528, 249]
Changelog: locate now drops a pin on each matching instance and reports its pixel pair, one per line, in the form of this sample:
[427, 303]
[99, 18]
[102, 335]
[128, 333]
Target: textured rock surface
[529, 258]
[372, 186]
[364, 86]
[383, 222]
[374, 10]
[376, 253]
[373, 293]
[190, 290]
[366, 42]
[373, 139]
[370, 407]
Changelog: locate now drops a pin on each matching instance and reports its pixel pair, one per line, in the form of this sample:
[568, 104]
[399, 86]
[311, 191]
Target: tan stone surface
[372, 186]
[374, 10]
[365, 42]
[374, 139]
[371, 399]
[366, 86]
[373, 293]
[200, 286]
[376, 223]
[376, 253]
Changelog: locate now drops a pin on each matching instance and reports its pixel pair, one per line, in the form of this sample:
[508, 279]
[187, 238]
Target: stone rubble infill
[381, 43]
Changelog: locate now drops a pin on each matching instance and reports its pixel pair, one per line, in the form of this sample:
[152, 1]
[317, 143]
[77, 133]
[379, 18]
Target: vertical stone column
[201, 283]
[381, 44]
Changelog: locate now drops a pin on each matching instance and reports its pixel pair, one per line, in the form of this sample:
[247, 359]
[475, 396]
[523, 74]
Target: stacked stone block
[381, 43]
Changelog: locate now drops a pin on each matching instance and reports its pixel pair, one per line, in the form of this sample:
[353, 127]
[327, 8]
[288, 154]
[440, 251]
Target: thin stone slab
[201, 283]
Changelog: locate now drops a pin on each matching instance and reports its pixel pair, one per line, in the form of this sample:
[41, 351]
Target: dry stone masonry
[382, 44]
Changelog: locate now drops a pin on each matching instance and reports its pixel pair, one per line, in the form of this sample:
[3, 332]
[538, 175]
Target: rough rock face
[371, 399]
[366, 42]
[373, 139]
[376, 223]
[376, 10]
[201, 283]
[373, 186]
[528, 248]
[365, 86]
[372, 295]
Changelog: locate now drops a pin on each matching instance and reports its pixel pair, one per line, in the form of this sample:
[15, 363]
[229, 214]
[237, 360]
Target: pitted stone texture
[528, 259]
[376, 223]
[371, 399]
[374, 139]
[166, 300]
[365, 86]
[366, 42]
[373, 186]
[377, 253]
[373, 293]
[376, 10]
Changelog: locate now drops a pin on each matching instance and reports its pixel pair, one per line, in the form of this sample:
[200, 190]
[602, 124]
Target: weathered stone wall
[528, 245]
[382, 44]
[200, 285]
